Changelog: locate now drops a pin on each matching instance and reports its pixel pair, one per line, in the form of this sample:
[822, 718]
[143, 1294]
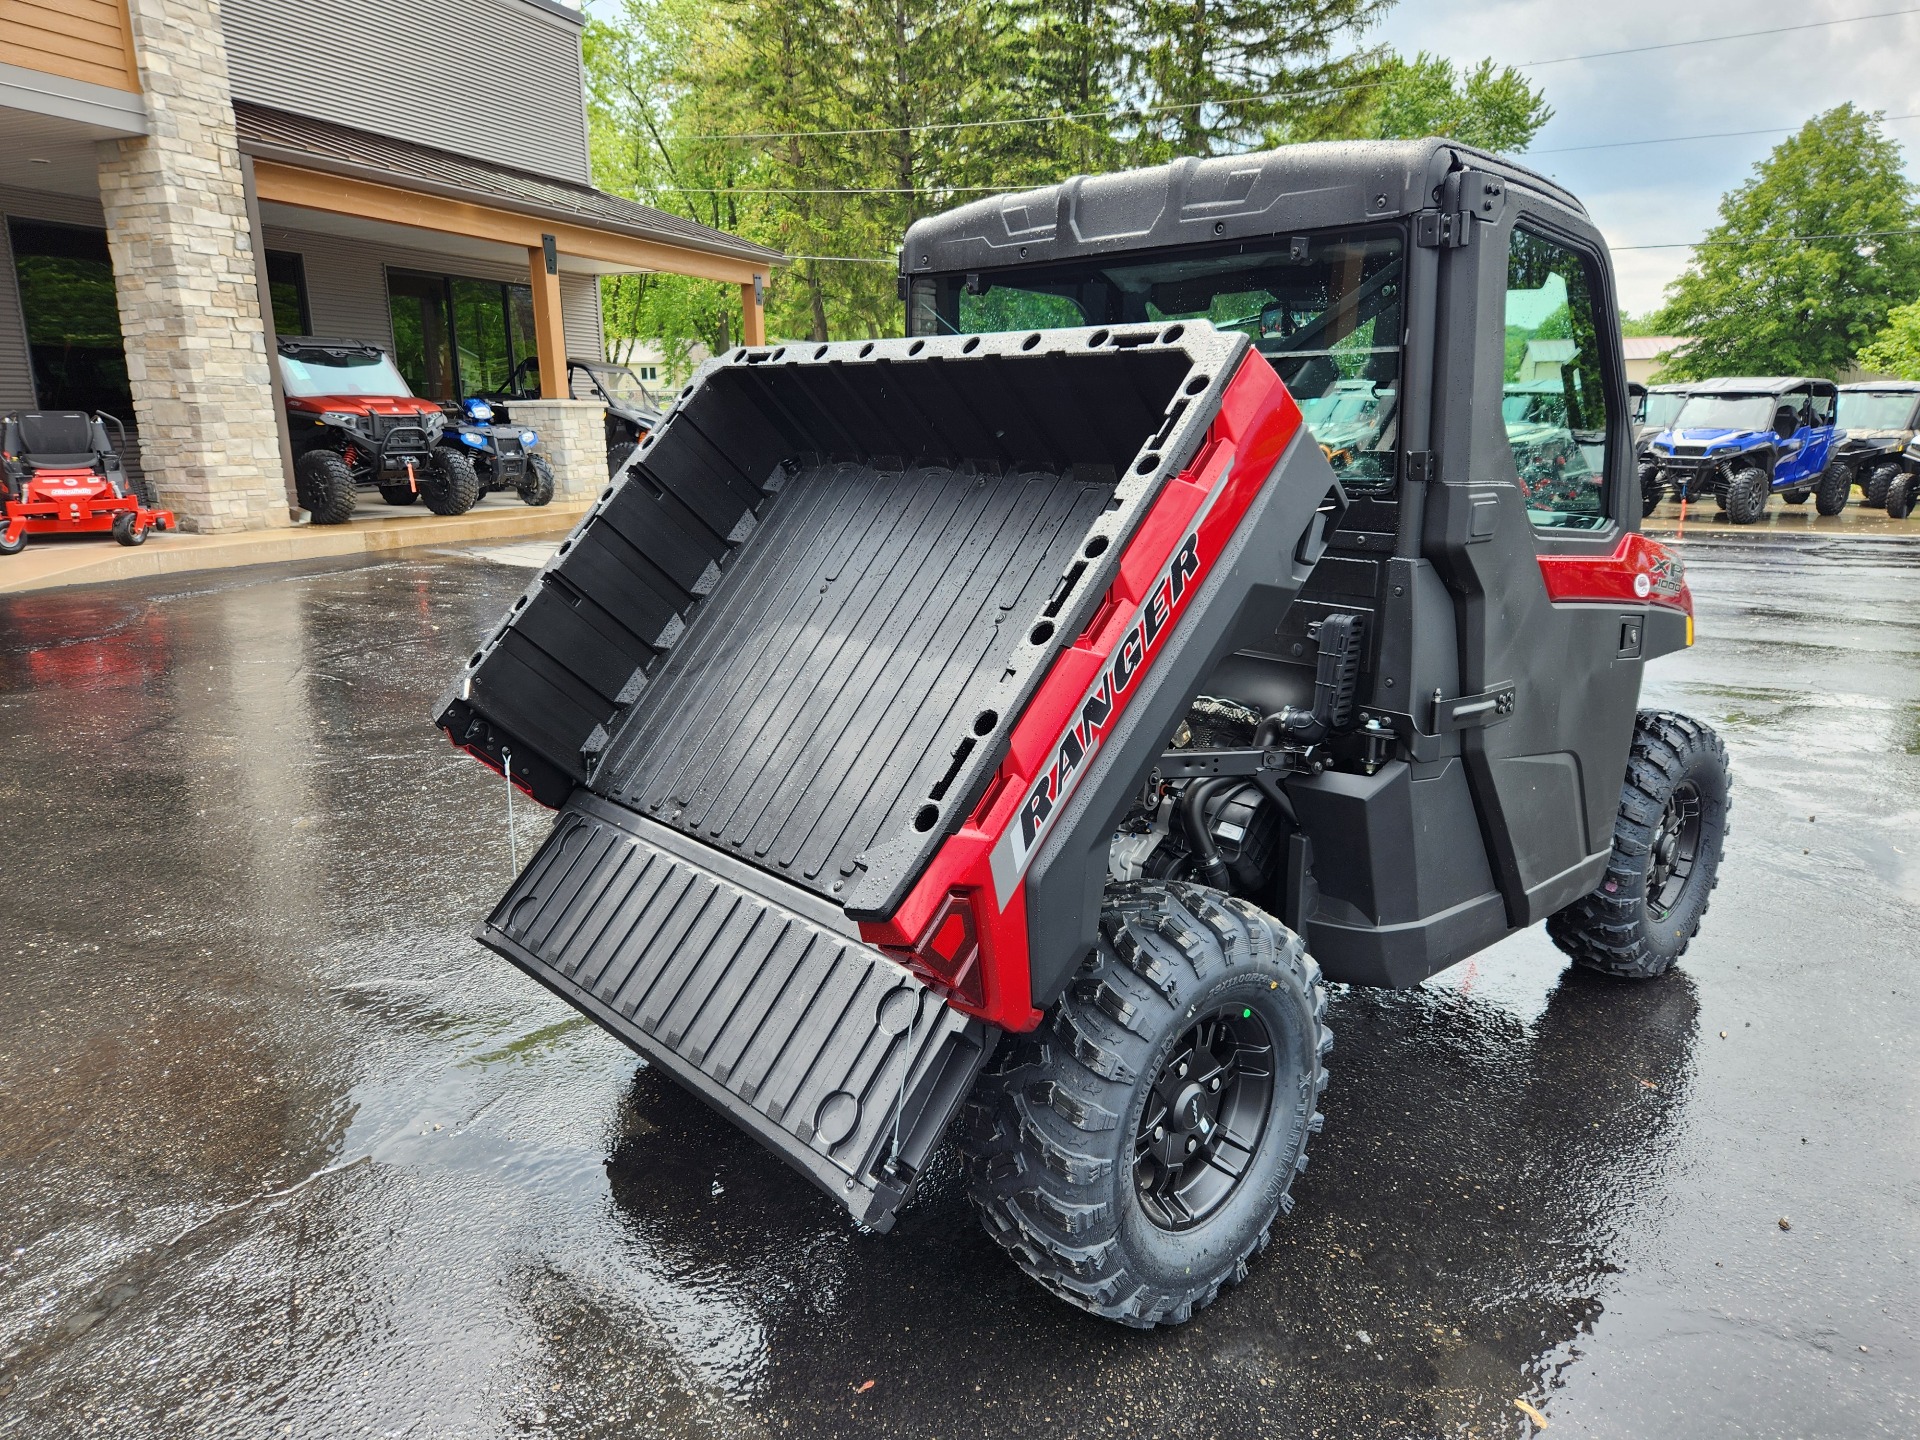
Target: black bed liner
[801, 623]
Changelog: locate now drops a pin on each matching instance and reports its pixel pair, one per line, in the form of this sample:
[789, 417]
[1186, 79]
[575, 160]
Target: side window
[1822, 408]
[1555, 400]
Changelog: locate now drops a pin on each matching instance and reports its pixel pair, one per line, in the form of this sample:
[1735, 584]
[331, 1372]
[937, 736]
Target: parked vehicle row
[1744, 439]
[356, 425]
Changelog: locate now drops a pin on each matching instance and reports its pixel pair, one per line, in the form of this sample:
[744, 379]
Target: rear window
[1323, 309]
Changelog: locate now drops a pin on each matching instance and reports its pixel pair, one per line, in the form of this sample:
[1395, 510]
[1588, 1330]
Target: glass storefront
[72, 318]
[454, 336]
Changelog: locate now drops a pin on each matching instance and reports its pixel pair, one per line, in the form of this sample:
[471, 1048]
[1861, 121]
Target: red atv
[355, 425]
[62, 477]
[989, 725]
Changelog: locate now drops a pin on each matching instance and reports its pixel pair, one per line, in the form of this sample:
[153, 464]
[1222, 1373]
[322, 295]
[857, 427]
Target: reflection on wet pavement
[282, 1151]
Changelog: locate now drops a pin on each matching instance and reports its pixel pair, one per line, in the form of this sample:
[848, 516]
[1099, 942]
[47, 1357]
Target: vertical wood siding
[496, 79]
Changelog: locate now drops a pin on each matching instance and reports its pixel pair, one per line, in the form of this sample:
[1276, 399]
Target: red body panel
[1638, 572]
[362, 404]
[78, 501]
[986, 973]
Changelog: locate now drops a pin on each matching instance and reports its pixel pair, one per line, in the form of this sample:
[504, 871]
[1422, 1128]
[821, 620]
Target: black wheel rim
[1204, 1118]
[1675, 849]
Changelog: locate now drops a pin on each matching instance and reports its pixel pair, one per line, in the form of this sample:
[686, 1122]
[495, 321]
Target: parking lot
[284, 1152]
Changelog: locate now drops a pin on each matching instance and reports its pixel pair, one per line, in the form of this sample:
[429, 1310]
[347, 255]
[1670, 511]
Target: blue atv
[1745, 439]
[503, 454]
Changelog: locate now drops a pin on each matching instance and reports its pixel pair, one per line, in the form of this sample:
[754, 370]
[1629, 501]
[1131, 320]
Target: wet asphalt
[284, 1152]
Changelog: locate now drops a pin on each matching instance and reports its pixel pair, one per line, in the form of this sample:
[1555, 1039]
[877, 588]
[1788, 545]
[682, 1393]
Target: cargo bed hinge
[1490, 707]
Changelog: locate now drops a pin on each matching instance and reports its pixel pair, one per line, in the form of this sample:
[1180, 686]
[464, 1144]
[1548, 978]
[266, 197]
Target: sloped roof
[1652, 347]
[310, 144]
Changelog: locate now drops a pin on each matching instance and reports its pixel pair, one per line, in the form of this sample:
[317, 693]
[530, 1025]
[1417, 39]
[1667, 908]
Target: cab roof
[1758, 385]
[1316, 186]
[1882, 387]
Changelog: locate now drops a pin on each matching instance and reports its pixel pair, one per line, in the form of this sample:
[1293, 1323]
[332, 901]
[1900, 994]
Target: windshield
[1868, 410]
[1324, 310]
[1662, 406]
[619, 383]
[1728, 412]
[318, 373]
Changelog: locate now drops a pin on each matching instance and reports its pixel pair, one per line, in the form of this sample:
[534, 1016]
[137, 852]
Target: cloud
[1649, 195]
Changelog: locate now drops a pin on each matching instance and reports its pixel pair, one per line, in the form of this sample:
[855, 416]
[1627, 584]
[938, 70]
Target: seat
[59, 439]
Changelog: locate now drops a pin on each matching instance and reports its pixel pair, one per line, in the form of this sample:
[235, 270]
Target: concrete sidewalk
[49, 562]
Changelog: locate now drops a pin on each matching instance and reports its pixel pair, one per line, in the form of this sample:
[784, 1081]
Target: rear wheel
[1873, 490]
[1745, 496]
[452, 487]
[399, 494]
[142, 490]
[1667, 839]
[536, 483]
[1831, 491]
[1132, 1154]
[324, 484]
[1797, 497]
[1900, 497]
[617, 454]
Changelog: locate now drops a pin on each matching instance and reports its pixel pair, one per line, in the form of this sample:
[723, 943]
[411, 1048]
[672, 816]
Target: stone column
[573, 437]
[185, 276]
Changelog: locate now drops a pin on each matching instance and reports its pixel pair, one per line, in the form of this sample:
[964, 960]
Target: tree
[1808, 257]
[1493, 108]
[1897, 351]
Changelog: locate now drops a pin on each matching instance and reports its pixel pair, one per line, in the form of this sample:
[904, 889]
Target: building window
[454, 336]
[72, 317]
[287, 279]
[649, 372]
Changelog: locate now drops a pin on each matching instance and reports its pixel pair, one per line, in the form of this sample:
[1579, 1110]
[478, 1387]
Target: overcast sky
[1654, 194]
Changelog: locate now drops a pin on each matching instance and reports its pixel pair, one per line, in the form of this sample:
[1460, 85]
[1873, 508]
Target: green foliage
[1491, 107]
[824, 128]
[1808, 257]
[1648, 324]
[1897, 351]
[68, 301]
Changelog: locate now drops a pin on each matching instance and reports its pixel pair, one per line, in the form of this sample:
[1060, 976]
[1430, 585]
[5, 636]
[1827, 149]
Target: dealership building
[183, 181]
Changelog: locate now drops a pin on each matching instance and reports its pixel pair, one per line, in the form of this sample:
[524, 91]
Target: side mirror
[1786, 422]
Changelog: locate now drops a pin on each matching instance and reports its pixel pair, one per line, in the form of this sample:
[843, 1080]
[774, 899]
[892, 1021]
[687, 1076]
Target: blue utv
[1747, 438]
[503, 453]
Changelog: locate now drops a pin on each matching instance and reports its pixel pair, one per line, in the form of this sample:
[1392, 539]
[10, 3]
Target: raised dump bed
[821, 673]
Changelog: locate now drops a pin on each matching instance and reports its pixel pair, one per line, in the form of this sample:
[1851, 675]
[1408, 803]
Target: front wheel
[536, 482]
[1901, 495]
[11, 544]
[1831, 490]
[1797, 497]
[453, 487]
[1745, 496]
[323, 481]
[1652, 489]
[1873, 490]
[1667, 840]
[128, 530]
[399, 494]
[1132, 1154]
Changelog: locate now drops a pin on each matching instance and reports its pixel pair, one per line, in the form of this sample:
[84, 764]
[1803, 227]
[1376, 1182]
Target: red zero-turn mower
[62, 477]
[988, 725]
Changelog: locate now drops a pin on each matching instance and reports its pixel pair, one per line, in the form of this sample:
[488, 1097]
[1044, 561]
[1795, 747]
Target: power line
[1716, 39]
[1766, 240]
[1324, 91]
[1676, 139]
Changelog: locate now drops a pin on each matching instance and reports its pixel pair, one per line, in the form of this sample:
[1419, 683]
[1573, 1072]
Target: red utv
[988, 723]
[60, 476]
[355, 425]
